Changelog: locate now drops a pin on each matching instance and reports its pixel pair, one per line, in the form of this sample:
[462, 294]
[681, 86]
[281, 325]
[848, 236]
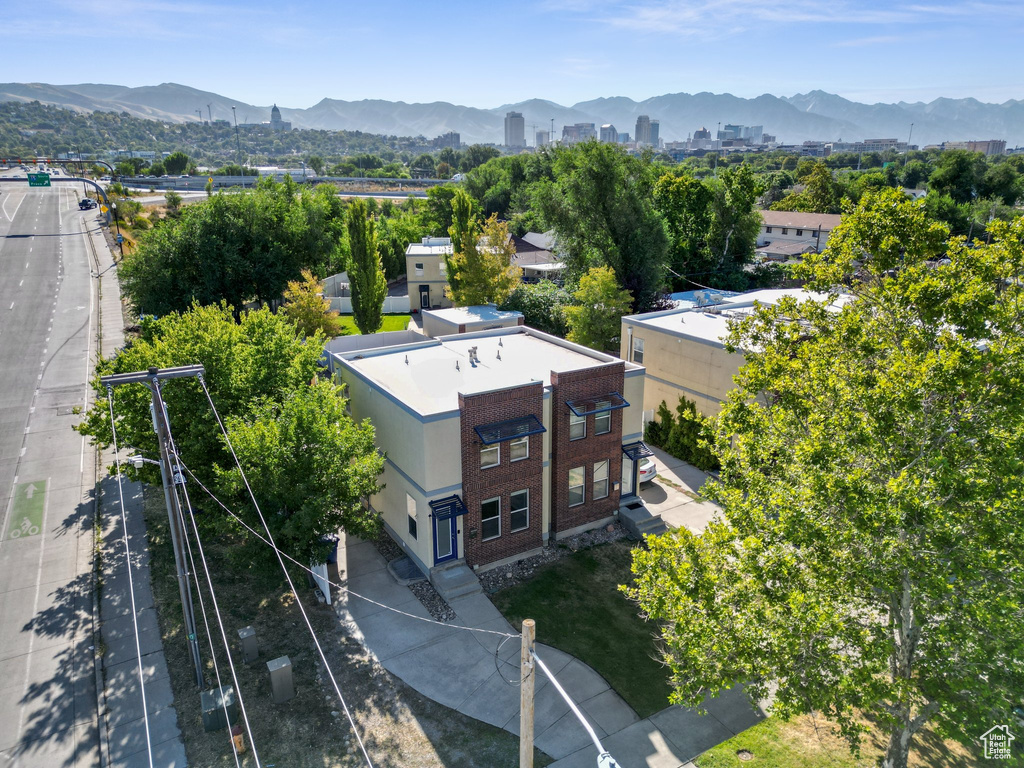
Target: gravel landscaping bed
[516, 573]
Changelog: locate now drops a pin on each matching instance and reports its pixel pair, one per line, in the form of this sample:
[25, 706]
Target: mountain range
[817, 115]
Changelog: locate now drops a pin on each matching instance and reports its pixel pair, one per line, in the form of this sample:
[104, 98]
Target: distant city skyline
[566, 51]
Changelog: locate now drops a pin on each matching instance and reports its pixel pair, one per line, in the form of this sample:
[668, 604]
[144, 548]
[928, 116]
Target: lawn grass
[391, 323]
[579, 609]
[809, 742]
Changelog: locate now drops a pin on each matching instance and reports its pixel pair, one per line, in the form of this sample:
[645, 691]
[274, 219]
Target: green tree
[256, 366]
[821, 194]
[958, 174]
[915, 173]
[871, 557]
[317, 164]
[1001, 181]
[176, 163]
[542, 304]
[480, 269]
[307, 308]
[365, 272]
[735, 222]
[601, 207]
[437, 219]
[157, 169]
[685, 202]
[173, 201]
[595, 320]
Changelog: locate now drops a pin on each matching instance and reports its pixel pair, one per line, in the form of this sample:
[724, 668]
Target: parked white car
[647, 471]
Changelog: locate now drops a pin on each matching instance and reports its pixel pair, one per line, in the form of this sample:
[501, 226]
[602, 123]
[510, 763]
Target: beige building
[425, 270]
[496, 441]
[683, 350]
[791, 233]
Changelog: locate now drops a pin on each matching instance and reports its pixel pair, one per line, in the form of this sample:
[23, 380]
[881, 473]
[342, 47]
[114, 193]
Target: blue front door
[446, 539]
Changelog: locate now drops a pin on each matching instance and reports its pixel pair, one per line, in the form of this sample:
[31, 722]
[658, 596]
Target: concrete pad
[169, 754]
[639, 746]
[474, 610]
[122, 627]
[125, 704]
[510, 646]
[734, 709]
[123, 648]
[378, 585]
[548, 708]
[389, 634]
[496, 701]
[566, 736]
[688, 732]
[608, 710]
[117, 594]
[554, 659]
[447, 670]
[580, 681]
[359, 558]
[126, 674]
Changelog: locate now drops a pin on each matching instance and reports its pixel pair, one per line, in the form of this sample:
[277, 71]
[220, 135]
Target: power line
[131, 581]
[284, 569]
[339, 587]
[209, 583]
[209, 638]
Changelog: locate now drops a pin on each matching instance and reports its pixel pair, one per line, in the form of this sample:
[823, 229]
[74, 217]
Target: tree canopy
[480, 269]
[595, 320]
[871, 557]
[365, 272]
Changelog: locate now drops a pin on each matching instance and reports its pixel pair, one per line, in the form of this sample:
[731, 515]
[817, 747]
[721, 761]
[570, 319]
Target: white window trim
[511, 511]
[607, 470]
[582, 486]
[498, 534]
[497, 460]
[582, 420]
[525, 441]
[418, 266]
[603, 415]
[637, 343]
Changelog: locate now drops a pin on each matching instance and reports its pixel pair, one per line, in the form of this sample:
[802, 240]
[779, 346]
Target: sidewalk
[470, 672]
[675, 494]
[123, 737]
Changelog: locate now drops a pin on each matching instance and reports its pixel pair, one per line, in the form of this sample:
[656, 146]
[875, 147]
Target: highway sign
[39, 179]
[27, 510]
[103, 209]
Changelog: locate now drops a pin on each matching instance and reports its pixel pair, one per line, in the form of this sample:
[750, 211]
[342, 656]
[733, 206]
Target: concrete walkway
[675, 494]
[470, 672]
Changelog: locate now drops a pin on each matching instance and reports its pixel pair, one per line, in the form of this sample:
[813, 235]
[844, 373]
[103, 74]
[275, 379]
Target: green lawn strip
[578, 609]
[810, 742]
[391, 323]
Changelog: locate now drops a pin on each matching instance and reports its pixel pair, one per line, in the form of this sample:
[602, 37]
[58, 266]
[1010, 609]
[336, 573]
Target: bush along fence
[687, 435]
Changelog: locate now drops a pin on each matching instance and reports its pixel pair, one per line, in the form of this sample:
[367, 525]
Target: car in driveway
[647, 471]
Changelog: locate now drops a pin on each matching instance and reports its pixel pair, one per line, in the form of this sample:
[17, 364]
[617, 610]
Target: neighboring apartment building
[496, 441]
[683, 351]
[426, 273]
[797, 232]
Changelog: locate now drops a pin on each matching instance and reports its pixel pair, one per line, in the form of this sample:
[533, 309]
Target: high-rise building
[609, 134]
[542, 139]
[452, 140]
[643, 130]
[655, 131]
[515, 129]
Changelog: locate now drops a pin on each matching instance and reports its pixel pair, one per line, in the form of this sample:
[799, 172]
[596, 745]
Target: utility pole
[526, 685]
[168, 465]
[209, 113]
[906, 156]
[238, 144]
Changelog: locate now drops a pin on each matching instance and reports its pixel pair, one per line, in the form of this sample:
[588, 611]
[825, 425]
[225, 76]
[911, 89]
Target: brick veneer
[565, 454]
[506, 478]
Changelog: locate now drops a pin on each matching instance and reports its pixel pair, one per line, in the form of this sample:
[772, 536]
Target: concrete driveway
[675, 494]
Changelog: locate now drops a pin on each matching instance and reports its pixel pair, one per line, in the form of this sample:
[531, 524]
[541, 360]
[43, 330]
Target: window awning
[613, 401]
[502, 431]
[637, 450]
[449, 506]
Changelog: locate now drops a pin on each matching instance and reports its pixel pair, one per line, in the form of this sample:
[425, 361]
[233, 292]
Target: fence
[393, 305]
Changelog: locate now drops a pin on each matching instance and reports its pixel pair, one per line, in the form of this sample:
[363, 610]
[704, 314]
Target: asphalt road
[47, 675]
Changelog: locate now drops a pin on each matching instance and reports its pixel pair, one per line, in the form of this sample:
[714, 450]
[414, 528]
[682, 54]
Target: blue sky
[486, 54]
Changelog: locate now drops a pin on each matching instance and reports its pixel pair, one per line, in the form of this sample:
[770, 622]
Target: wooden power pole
[526, 685]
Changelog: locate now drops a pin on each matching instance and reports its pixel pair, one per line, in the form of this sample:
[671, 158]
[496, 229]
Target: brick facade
[566, 454]
[506, 478]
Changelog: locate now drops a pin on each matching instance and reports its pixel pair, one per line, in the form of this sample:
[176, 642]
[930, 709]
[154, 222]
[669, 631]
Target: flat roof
[419, 249]
[428, 377]
[711, 324]
[481, 313]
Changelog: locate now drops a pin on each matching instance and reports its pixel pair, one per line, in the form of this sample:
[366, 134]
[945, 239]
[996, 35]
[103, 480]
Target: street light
[120, 240]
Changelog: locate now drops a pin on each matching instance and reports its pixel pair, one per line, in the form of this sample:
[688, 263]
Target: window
[577, 495]
[419, 269]
[519, 449]
[768, 230]
[490, 456]
[785, 230]
[410, 508]
[799, 233]
[602, 419]
[519, 511]
[638, 350]
[490, 519]
[814, 233]
[577, 426]
[601, 479]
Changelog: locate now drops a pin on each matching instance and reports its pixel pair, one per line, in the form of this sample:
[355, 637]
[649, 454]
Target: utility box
[214, 702]
[250, 650]
[281, 683]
